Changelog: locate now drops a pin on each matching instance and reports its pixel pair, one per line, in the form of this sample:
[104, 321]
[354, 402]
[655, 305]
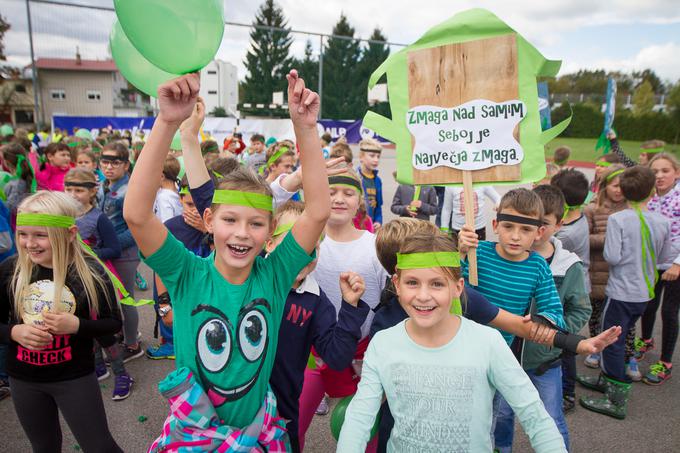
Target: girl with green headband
[435, 364]
[50, 360]
[23, 183]
[228, 307]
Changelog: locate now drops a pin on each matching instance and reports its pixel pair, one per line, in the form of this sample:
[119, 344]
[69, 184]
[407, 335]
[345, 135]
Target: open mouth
[35, 253]
[239, 251]
[423, 309]
[218, 395]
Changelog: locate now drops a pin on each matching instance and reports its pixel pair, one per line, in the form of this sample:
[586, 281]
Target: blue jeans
[549, 386]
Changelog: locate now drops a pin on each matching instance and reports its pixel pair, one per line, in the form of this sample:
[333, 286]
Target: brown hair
[82, 175]
[637, 183]
[561, 155]
[223, 166]
[573, 184]
[10, 154]
[209, 146]
[523, 201]
[605, 181]
[276, 147]
[611, 158]
[120, 148]
[342, 150]
[52, 148]
[243, 179]
[652, 144]
[552, 200]
[171, 168]
[290, 207]
[89, 153]
[391, 236]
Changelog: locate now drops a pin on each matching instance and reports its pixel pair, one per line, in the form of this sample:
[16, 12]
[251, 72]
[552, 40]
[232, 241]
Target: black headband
[111, 158]
[345, 181]
[370, 150]
[86, 184]
[500, 217]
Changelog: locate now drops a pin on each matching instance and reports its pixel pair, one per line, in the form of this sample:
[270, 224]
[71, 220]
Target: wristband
[567, 341]
[164, 299]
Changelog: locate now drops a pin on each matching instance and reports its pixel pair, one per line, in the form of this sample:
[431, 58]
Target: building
[16, 101]
[80, 87]
[219, 86]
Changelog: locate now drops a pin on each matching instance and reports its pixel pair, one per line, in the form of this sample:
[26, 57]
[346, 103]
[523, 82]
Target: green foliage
[219, 112]
[308, 67]
[643, 99]
[673, 101]
[588, 81]
[268, 60]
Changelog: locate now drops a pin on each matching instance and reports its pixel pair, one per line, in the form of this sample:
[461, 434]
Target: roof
[65, 64]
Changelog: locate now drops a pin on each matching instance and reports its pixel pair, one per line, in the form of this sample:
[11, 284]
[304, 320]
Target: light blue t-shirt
[442, 398]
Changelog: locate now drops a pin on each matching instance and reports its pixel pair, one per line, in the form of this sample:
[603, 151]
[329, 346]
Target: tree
[372, 56]
[650, 76]
[643, 99]
[218, 112]
[341, 92]
[268, 60]
[4, 27]
[673, 100]
[308, 67]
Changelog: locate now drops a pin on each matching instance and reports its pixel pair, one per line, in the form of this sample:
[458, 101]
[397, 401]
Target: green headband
[217, 174]
[283, 228]
[427, 260]
[184, 191]
[614, 174]
[19, 172]
[276, 156]
[45, 220]
[211, 149]
[658, 149]
[72, 144]
[568, 209]
[603, 163]
[250, 199]
[345, 181]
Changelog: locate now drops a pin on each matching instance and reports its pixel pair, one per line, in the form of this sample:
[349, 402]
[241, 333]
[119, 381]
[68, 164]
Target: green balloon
[135, 68]
[338, 418]
[178, 36]
[84, 133]
[6, 129]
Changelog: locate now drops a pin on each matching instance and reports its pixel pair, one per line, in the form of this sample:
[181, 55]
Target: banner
[544, 105]
[96, 123]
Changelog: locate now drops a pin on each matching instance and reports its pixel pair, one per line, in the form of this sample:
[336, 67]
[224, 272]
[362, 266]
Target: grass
[583, 149]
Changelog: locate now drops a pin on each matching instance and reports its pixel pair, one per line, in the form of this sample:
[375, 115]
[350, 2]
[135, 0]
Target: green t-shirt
[227, 334]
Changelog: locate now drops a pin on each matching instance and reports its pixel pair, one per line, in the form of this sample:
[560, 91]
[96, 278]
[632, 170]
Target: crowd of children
[278, 283]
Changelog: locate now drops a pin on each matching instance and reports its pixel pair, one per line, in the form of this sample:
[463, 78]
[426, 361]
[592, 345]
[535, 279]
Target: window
[212, 92]
[58, 95]
[20, 88]
[23, 116]
[212, 72]
[94, 95]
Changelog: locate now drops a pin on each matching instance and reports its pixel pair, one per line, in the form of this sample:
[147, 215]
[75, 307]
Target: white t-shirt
[167, 204]
[454, 207]
[357, 256]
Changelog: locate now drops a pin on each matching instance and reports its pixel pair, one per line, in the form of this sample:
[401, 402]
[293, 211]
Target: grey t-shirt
[623, 252]
[575, 237]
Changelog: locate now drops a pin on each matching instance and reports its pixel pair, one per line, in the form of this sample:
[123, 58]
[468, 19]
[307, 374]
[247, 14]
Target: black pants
[568, 374]
[80, 401]
[666, 295]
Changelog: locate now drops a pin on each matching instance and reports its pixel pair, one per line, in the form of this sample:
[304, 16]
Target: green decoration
[177, 36]
[338, 418]
[416, 197]
[6, 130]
[647, 249]
[176, 144]
[470, 25]
[311, 362]
[427, 260]
[614, 174]
[603, 163]
[45, 220]
[283, 228]
[135, 68]
[142, 418]
[83, 133]
[250, 199]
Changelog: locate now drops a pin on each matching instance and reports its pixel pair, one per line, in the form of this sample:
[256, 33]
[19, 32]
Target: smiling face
[240, 233]
[514, 239]
[344, 204]
[426, 295]
[665, 174]
[36, 243]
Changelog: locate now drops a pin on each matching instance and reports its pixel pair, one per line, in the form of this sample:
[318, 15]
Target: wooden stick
[469, 203]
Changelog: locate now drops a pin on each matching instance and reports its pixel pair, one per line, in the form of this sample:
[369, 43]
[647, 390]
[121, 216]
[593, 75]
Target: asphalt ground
[652, 425]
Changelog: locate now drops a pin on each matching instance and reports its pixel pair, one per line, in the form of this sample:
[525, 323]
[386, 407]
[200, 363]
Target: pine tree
[341, 90]
[372, 56]
[268, 60]
[308, 67]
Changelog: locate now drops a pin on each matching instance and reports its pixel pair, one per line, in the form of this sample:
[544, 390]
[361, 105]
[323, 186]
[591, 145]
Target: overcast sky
[619, 34]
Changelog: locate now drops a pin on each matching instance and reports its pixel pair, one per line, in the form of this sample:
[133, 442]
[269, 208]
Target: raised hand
[303, 103]
[192, 125]
[597, 343]
[176, 98]
[352, 287]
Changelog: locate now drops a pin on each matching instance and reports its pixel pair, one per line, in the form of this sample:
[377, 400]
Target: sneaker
[324, 407]
[132, 353]
[162, 351]
[659, 373]
[120, 338]
[568, 403]
[140, 282]
[101, 371]
[592, 361]
[123, 387]
[642, 347]
[4, 390]
[633, 371]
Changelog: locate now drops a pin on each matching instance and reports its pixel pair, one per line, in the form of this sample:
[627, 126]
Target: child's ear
[72, 233]
[540, 231]
[494, 225]
[558, 226]
[395, 280]
[208, 219]
[269, 245]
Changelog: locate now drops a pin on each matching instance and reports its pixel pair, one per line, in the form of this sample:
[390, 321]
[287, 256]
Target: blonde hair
[65, 252]
[664, 155]
[604, 182]
[291, 207]
[273, 149]
[342, 150]
[82, 175]
[391, 237]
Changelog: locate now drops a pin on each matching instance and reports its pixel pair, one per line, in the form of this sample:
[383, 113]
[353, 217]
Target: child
[453, 209]
[362, 221]
[167, 204]
[561, 157]
[635, 241]
[601, 166]
[87, 160]
[609, 201]
[574, 230]
[369, 158]
[115, 162]
[342, 150]
[50, 360]
[439, 371]
[254, 156]
[280, 160]
[51, 175]
[15, 160]
[326, 140]
[228, 308]
[404, 204]
[97, 231]
[666, 202]
[543, 364]
[647, 150]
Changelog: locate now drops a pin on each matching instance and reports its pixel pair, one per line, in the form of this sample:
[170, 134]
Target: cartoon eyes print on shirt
[215, 349]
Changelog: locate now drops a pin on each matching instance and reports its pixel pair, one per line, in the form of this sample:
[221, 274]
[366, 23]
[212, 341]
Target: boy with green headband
[636, 240]
[228, 307]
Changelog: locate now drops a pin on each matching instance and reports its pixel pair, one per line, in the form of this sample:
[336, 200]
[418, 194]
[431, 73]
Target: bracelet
[163, 311]
[164, 299]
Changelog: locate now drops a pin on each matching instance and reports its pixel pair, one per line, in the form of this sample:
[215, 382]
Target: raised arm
[176, 99]
[196, 171]
[304, 105]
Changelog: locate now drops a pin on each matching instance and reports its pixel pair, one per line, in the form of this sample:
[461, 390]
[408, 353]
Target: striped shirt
[512, 285]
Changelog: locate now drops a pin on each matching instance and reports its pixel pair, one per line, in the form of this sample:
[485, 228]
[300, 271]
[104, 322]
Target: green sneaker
[642, 347]
[615, 401]
[596, 383]
[659, 373]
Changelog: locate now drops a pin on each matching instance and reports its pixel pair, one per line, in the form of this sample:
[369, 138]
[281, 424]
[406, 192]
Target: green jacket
[569, 279]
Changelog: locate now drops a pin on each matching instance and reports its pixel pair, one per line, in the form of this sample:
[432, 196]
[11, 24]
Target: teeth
[424, 308]
[239, 249]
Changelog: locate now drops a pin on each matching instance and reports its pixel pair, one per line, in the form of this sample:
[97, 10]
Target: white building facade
[219, 86]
